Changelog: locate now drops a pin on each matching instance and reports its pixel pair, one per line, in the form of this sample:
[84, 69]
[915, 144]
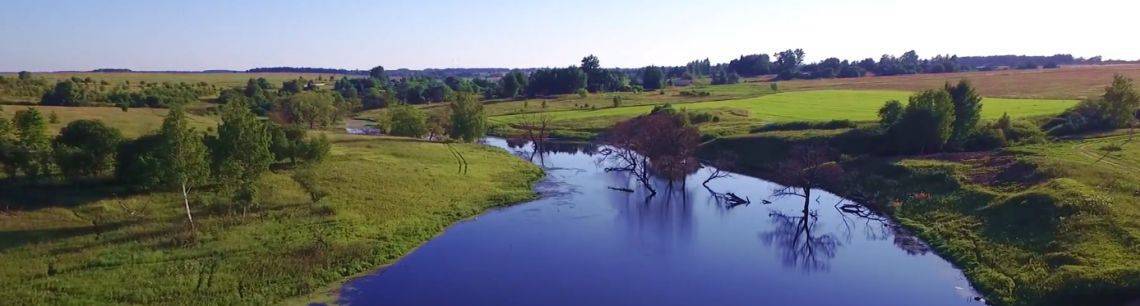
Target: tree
[377, 73]
[660, 143]
[597, 79]
[32, 153]
[509, 86]
[468, 121]
[24, 75]
[788, 63]
[313, 108]
[652, 78]
[292, 143]
[926, 123]
[1120, 102]
[86, 148]
[241, 152]
[967, 111]
[408, 121]
[182, 156]
[890, 113]
[65, 93]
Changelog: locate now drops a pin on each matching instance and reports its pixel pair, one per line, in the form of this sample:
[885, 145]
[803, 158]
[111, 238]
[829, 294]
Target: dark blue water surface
[584, 243]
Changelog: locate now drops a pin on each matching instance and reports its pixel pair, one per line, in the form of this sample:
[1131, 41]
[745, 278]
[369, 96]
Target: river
[584, 243]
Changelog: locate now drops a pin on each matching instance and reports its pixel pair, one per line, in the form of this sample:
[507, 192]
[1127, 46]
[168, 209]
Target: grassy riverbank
[1049, 224]
[96, 244]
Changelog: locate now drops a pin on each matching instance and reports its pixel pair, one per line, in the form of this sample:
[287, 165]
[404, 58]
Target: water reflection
[583, 243]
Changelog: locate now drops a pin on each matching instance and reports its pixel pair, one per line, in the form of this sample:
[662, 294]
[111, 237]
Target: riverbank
[1050, 224]
[385, 196]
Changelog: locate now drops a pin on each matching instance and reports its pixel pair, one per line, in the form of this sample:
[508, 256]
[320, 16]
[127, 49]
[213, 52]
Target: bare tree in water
[534, 128]
[808, 167]
[660, 144]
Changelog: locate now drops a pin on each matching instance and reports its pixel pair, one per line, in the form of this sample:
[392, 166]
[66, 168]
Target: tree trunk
[186, 202]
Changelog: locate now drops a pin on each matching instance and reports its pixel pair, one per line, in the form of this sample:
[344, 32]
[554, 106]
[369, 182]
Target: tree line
[175, 158]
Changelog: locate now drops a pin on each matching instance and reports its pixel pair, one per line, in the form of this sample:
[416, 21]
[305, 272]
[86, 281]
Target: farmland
[821, 105]
[1067, 82]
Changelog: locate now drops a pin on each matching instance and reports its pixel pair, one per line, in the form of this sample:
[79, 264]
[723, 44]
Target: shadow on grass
[16, 194]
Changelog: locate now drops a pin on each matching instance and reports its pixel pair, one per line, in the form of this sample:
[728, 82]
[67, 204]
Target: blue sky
[218, 34]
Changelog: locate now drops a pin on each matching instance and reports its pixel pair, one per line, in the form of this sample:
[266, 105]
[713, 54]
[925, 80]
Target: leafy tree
[967, 111]
[926, 123]
[377, 73]
[552, 81]
[32, 153]
[652, 78]
[408, 121]
[313, 108]
[241, 152]
[24, 75]
[1120, 102]
[890, 113]
[86, 148]
[182, 156]
[65, 93]
[468, 121]
[137, 163]
[788, 63]
[293, 144]
[509, 86]
[751, 65]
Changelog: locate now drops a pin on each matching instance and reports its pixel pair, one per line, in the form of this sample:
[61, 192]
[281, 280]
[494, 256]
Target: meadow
[102, 245]
[132, 123]
[817, 105]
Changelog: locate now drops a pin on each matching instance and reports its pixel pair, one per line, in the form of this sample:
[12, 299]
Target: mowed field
[1067, 82]
[820, 105]
[132, 123]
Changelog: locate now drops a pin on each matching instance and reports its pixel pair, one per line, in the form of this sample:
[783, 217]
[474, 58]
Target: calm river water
[583, 243]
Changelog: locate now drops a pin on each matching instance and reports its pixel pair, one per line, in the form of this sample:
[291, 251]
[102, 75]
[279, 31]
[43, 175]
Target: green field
[821, 105]
[100, 245]
[132, 123]
[1069, 231]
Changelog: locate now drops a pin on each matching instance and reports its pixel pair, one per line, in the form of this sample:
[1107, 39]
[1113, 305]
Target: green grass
[818, 105]
[132, 123]
[1047, 224]
[98, 245]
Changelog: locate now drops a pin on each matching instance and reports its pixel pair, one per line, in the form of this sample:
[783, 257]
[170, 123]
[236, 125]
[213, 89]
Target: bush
[408, 121]
[694, 93]
[701, 117]
[582, 93]
[986, 139]
[86, 148]
[925, 124]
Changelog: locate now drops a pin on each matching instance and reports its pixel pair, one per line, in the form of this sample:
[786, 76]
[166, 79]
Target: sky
[222, 34]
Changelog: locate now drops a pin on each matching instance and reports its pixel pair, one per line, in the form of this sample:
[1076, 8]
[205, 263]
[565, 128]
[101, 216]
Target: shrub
[986, 139]
[408, 121]
[582, 93]
[86, 148]
[890, 113]
[694, 93]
